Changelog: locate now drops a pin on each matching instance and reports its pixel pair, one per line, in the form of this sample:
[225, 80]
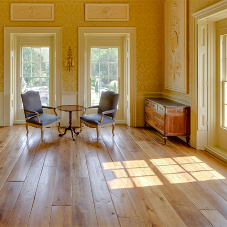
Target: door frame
[9, 63]
[201, 135]
[130, 43]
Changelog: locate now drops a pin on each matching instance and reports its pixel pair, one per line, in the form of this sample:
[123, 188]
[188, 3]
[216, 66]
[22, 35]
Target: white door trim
[209, 15]
[132, 90]
[8, 74]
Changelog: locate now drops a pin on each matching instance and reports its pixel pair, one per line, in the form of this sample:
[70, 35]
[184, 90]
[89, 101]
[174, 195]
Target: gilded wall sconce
[69, 64]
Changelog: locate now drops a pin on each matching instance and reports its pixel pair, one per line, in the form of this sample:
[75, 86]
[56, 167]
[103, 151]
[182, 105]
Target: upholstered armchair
[33, 111]
[105, 115]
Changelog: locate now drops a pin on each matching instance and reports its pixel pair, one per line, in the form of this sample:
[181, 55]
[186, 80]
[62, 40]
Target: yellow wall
[146, 15]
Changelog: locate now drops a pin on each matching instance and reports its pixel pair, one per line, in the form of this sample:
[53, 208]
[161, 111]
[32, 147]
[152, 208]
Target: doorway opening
[111, 68]
[22, 72]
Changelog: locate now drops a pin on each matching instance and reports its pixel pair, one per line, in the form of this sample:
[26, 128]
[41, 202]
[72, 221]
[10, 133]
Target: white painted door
[34, 70]
[105, 56]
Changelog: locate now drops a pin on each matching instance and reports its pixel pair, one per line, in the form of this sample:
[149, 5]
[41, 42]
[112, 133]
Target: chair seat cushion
[94, 119]
[44, 118]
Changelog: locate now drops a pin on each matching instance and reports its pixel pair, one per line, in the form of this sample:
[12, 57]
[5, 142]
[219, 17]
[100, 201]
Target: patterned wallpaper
[146, 15]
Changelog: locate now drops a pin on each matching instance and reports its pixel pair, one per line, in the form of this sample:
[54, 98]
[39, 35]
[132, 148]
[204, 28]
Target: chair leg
[97, 129]
[81, 126]
[42, 134]
[113, 127]
[59, 127]
[26, 128]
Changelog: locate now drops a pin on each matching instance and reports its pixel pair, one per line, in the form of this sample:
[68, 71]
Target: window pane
[26, 69]
[36, 69]
[114, 85]
[95, 92]
[26, 54]
[94, 54]
[35, 54]
[45, 69]
[113, 70]
[45, 54]
[225, 117]
[94, 69]
[104, 55]
[103, 69]
[113, 52]
[37, 84]
[104, 84]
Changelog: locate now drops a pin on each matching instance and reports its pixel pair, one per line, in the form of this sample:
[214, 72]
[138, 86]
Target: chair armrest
[90, 107]
[106, 112]
[33, 112]
[50, 107]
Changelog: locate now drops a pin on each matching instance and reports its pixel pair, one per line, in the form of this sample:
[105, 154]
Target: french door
[34, 70]
[105, 61]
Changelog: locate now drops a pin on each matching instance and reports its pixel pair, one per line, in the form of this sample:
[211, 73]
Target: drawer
[176, 110]
[155, 113]
[154, 123]
[151, 104]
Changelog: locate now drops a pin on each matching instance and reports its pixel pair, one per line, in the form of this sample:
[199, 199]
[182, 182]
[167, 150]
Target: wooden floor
[132, 179]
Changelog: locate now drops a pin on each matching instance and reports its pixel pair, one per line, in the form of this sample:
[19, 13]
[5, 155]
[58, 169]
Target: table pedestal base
[71, 128]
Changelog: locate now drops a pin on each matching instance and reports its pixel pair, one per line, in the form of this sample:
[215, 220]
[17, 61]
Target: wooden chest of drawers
[168, 117]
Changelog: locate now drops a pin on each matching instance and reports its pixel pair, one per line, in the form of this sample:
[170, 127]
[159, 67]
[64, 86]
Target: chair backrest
[31, 101]
[108, 101]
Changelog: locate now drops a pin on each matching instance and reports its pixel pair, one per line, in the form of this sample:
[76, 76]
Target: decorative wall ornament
[176, 45]
[106, 12]
[32, 12]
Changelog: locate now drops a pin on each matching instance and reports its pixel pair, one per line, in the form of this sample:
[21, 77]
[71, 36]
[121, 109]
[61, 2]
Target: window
[35, 71]
[103, 72]
[225, 104]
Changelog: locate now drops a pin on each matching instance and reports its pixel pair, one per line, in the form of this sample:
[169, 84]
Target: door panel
[34, 70]
[105, 60]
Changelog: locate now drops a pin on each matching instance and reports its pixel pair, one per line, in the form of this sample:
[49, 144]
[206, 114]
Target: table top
[70, 108]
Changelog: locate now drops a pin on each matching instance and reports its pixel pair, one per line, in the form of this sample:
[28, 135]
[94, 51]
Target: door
[34, 70]
[106, 71]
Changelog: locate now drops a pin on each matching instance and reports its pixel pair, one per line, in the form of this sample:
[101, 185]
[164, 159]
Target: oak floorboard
[62, 189]
[23, 206]
[187, 212]
[105, 212]
[61, 216]
[143, 205]
[78, 159]
[141, 173]
[41, 209]
[130, 174]
[104, 208]
[83, 210]
[53, 149]
[24, 203]
[9, 194]
[198, 171]
[122, 202]
[130, 222]
[215, 218]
